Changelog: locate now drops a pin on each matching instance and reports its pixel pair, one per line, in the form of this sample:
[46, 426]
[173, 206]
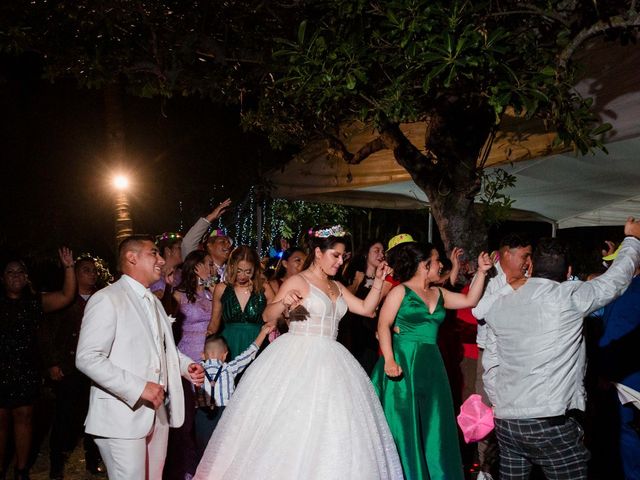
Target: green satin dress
[241, 327]
[418, 405]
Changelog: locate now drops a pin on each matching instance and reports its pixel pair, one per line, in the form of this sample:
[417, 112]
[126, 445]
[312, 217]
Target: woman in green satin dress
[239, 302]
[410, 378]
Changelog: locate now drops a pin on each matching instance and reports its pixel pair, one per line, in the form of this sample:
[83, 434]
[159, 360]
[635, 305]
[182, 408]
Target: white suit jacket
[116, 350]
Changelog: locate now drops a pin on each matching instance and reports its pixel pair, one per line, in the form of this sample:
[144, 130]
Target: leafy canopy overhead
[399, 61]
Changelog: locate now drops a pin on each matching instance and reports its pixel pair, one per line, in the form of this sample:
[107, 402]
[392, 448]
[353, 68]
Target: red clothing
[469, 327]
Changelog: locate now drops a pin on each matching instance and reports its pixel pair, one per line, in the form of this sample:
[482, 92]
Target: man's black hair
[550, 260]
[515, 240]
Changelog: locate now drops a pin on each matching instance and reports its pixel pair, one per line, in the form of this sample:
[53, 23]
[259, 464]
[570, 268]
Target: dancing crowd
[205, 361]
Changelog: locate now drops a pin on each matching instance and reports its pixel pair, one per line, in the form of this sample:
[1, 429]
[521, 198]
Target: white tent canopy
[563, 188]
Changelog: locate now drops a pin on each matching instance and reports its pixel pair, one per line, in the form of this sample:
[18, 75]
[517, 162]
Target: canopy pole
[554, 229]
[430, 234]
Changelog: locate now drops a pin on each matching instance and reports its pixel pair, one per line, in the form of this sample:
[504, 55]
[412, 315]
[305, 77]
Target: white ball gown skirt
[304, 410]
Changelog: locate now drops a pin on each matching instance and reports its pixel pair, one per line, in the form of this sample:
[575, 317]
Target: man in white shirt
[512, 264]
[534, 359]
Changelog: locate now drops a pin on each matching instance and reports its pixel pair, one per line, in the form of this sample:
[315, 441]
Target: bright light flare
[120, 182]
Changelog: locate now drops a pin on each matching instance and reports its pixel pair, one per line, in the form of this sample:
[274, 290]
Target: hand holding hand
[66, 257]
[153, 393]
[392, 369]
[196, 372]
[632, 227]
[265, 330]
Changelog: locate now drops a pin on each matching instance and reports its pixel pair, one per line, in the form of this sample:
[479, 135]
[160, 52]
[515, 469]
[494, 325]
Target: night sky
[55, 172]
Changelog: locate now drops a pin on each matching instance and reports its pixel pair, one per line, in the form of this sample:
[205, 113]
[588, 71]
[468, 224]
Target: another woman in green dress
[410, 378]
[239, 302]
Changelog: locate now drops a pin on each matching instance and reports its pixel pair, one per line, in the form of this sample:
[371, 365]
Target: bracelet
[69, 266]
[373, 287]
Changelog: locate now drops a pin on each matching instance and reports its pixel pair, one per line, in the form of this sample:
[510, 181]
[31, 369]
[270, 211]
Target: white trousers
[140, 458]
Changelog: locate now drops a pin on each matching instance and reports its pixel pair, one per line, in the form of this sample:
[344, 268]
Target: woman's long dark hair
[359, 261]
[189, 280]
[280, 273]
[406, 257]
[324, 244]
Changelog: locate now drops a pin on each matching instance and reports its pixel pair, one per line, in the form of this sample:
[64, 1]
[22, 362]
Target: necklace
[329, 284]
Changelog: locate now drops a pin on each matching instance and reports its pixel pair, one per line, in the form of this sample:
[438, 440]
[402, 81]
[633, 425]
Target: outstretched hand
[632, 227]
[484, 262]
[456, 254]
[611, 247]
[66, 257]
[219, 210]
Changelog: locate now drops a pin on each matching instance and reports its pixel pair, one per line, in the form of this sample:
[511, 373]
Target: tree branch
[338, 149]
[633, 20]
[529, 10]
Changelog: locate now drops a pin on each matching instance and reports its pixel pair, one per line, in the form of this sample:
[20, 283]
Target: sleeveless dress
[241, 327]
[418, 406]
[304, 409]
[20, 372]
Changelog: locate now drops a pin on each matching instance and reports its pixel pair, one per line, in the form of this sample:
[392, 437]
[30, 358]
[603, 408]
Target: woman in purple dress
[194, 302]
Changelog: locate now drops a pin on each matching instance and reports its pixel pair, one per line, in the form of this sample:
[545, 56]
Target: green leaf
[351, 81]
[548, 71]
[301, 30]
[605, 127]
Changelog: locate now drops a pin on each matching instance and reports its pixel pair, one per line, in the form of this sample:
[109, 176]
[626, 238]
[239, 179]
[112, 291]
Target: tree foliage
[304, 70]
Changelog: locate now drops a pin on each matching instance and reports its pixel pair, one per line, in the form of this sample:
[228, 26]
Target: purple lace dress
[196, 317]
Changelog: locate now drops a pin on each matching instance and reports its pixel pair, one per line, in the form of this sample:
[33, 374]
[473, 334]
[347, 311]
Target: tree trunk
[448, 174]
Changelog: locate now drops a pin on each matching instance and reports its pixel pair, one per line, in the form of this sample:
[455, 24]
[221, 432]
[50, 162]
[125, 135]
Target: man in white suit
[127, 349]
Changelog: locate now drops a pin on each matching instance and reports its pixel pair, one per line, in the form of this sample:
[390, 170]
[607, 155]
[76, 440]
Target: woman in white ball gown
[306, 409]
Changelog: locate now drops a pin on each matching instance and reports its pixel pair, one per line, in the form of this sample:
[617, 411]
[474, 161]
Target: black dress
[20, 374]
[358, 333]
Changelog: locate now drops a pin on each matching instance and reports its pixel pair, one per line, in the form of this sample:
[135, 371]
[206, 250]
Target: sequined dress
[241, 327]
[304, 409]
[19, 372]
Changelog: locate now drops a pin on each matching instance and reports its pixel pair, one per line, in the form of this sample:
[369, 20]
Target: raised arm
[455, 301]
[593, 294]
[52, 301]
[367, 307]
[385, 323]
[456, 253]
[194, 235]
